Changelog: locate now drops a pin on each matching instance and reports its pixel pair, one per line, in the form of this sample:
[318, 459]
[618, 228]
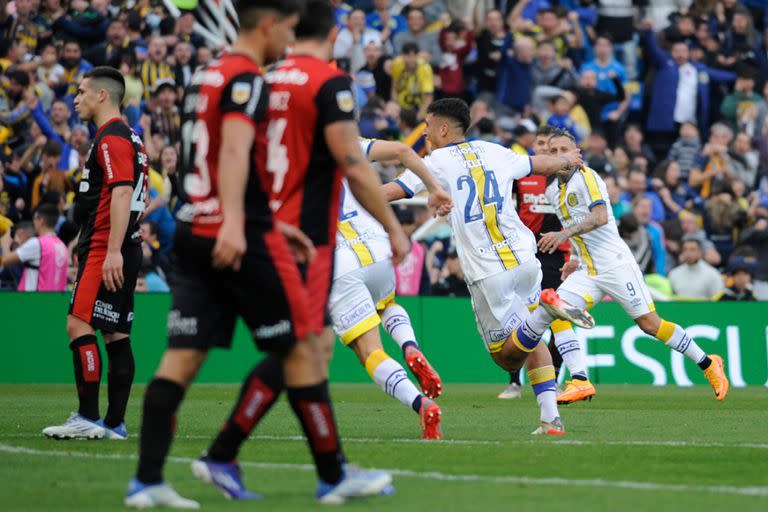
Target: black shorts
[550, 269]
[268, 293]
[91, 302]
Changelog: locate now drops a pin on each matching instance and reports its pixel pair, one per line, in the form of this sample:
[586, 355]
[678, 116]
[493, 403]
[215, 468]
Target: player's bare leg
[677, 339]
[392, 379]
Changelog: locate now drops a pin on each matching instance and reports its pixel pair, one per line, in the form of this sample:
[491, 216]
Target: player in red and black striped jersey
[539, 216]
[110, 201]
[311, 143]
[234, 260]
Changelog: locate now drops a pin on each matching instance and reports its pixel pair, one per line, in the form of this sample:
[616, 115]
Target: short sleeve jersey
[360, 239]
[304, 181]
[116, 158]
[230, 87]
[601, 249]
[490, 237]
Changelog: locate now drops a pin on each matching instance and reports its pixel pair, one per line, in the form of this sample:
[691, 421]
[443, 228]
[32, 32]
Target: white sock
[683, 343]
[397, 323]
[570, 348]
[391, 377]
[544, 387]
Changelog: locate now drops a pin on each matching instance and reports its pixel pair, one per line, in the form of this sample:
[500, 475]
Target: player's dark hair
[545, 130]
[250, 12]
[452, 108]
[109, 79]
[562, 133]
[410, 48]
[49, 213]
[316, 21]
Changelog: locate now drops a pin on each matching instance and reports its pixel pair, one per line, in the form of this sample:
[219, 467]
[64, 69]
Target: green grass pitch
[632, 448]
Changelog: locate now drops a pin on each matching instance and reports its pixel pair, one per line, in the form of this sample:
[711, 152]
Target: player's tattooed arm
[597, 217]
[551, 164]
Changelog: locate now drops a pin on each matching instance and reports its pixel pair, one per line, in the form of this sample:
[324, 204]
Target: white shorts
[502, 301]
[624, 283]
[358, 296]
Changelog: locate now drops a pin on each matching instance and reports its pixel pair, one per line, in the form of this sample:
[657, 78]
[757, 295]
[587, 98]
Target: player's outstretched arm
[597, 217]
[439, 200]
[548, 164]
[237, 136]
[342, 139]
[393, 191]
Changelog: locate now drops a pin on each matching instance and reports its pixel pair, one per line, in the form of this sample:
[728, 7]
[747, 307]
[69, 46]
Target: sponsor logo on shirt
[107, 162]
[287, 76]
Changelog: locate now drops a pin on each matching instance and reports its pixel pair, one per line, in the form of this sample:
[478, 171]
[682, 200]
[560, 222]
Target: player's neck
[322, 50]
[105, 116]
[255, 52]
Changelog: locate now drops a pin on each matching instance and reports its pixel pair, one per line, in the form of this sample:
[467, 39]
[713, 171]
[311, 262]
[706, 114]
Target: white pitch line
[439, 476]
[477, 442]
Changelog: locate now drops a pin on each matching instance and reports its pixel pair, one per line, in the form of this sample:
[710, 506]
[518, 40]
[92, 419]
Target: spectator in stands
[412, 80]
[185, 30]
[686, 148]
[49, 176]
[744, 160]
[690, 100]
[691, 228]
[671, 189]
[548, 71]
[451, 282]
[106, 52]
[638, 240]
[635, 146]
[352, 39]
[155, 68]
[712, 167]
[491, 43]
[43, 256]
[427, 42]
[376, 63]
[516, 76]
[638, 186]
[641, 209]
[739, 286]
[694, 278]
[74, 69]
[165, 117]
[743, 104]
[594, 101]
[49, 71]
[19, 27]
[183, 65]
[455, 42]
[383, 20]
[723, 218]
[411, 273]
[561, 117]
[757, 238]
[14, 110]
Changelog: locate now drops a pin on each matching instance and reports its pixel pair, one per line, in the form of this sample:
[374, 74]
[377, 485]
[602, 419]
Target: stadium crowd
[668, 99]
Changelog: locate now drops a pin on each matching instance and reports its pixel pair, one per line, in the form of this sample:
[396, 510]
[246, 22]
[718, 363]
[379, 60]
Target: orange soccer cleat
[716, 376]
[430, 382]
[576, 390]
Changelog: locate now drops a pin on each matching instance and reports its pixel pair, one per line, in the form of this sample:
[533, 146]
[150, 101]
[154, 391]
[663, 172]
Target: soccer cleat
[430, 382]
[716, 376]
[119, 433]
[429, 416]
[547, 428]
[354, 483]
[142, 496]
[76, 427]
[225, 477]
[511, 392]
[576, 390]
[559, 308]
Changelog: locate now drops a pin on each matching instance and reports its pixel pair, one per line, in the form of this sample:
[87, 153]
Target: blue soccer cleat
[119, 433]
[355, 483]
[143, 496]
[225, 477]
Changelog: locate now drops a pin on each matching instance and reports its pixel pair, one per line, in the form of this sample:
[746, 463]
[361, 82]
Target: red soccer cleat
[430, 382]
[429, 416]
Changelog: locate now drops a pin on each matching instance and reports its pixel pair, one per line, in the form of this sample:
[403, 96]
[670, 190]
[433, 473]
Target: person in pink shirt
[44, 256]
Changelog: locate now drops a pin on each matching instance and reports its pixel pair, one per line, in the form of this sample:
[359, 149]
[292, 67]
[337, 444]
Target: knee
[77, 328]
[180, 366]
[508, 361]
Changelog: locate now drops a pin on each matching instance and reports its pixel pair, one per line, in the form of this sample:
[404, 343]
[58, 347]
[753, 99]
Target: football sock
[312, 405]
[677, 339]
[557, 359]
[544, 387]
[119, 380]
[514, 377]
[87, 362]
[258, 394]
[397, 323]
[391, 377]
[569, 348]
[158, 425]
[525, 337]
